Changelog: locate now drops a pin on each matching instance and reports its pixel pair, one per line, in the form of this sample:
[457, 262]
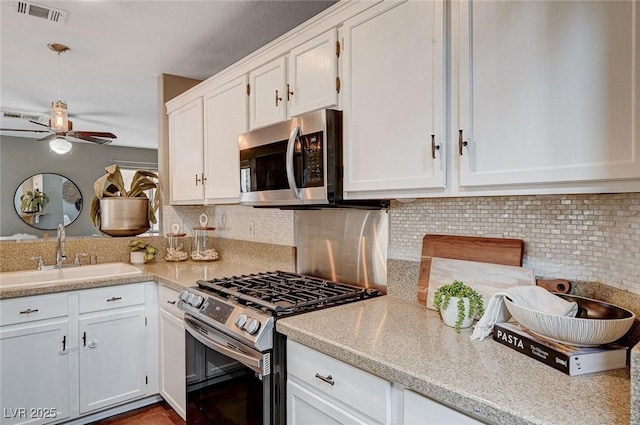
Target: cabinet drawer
[111, 297]
[168, 300]
[355, 388]
[28, 309]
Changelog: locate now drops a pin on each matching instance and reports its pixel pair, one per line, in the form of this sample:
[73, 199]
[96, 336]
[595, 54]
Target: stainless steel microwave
[294, 163]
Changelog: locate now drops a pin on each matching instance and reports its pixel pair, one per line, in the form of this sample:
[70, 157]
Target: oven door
[227, 382]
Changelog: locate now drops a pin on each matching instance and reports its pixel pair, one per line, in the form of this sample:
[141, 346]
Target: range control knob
[196, 301]
[184, 295]
[252, 326]
[241, 320]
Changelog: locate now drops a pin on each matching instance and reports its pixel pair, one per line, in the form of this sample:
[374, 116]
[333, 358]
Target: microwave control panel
[312, 159]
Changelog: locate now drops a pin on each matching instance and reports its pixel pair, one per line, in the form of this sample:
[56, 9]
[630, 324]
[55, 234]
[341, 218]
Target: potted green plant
[117, 211]
[33, 201]
[140, 252]
[458, 304]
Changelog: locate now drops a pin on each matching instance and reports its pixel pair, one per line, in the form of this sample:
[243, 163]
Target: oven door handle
[254, 363]
[291, 178]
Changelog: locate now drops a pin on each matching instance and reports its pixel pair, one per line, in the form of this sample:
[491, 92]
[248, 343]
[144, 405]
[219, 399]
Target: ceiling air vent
[23, 116]
[40, 11]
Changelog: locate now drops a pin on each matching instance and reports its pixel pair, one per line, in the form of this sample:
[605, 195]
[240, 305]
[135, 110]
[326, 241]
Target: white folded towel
[533, 297]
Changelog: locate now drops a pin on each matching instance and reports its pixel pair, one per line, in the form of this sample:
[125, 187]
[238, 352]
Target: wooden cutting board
[485, 278]
[471, 248]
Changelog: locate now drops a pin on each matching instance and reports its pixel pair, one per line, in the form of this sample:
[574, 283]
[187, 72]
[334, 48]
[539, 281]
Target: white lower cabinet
[323, 390]
[34, 360]
[420, 410]
[69, 354]
[305, 406]
[112, 358]
[171, 351]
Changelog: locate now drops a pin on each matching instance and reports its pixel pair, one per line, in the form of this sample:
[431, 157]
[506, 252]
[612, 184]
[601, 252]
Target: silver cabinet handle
[114, 299]
[171, 302]
[29, 311]
[328, 379]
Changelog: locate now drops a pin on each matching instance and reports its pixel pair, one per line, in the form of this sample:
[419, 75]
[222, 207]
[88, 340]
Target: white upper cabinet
[313, 69]
[225, 112]
[292, 85]
[268, 97]
[185, 153]
[203, 143]
[546, 93]
[394, 101]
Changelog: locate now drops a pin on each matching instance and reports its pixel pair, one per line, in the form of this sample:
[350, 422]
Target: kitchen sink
[66, 275]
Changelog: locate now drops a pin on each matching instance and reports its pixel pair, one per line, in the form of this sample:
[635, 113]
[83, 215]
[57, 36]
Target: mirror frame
[17, 201]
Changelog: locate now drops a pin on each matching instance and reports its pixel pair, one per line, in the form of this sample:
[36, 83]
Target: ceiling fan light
[60, 145]
[59, 116]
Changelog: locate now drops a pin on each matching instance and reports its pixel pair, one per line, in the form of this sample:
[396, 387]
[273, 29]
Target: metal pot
[121, 216]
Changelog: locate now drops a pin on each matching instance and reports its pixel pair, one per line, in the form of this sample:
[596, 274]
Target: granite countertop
[176, 275]
[403, 342]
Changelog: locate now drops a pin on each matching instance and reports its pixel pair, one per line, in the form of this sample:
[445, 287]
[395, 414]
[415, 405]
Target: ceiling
[118, 49]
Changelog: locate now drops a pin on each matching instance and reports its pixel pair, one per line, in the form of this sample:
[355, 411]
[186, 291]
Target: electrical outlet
[251, 227]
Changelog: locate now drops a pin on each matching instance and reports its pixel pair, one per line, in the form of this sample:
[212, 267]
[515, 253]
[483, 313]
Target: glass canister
[201, 249]
[177, 245]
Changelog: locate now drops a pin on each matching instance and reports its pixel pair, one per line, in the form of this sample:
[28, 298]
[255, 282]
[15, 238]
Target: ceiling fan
[59, 125]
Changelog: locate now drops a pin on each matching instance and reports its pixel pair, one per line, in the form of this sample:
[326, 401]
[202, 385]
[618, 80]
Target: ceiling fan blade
[39, 123]
[31, 131]
[83, 134]
[91, 139]
[47, 138]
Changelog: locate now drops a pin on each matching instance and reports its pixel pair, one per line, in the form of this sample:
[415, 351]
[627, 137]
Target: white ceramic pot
[137, 257]
[450, 314]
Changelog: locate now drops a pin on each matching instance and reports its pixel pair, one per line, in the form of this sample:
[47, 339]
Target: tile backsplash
[577, 237]
[268, 225]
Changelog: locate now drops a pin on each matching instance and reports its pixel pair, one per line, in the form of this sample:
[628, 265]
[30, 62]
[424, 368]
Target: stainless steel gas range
[235, 359]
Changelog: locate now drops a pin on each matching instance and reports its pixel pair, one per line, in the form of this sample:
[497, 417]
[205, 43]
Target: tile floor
[155, 414]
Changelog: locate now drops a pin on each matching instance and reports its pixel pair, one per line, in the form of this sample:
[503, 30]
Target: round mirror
[46, 200]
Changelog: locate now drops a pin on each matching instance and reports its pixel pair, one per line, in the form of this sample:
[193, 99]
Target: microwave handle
[291, 178]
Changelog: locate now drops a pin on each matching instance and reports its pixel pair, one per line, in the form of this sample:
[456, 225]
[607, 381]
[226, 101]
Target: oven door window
[223, 391]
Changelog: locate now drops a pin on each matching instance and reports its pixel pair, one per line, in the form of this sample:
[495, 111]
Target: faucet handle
[40, 261]
[78, 255]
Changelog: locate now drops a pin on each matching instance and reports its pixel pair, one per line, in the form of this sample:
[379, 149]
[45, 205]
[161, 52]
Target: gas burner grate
[285, 292]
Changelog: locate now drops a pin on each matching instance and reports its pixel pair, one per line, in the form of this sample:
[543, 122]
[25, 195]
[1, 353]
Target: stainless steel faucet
[61, 253]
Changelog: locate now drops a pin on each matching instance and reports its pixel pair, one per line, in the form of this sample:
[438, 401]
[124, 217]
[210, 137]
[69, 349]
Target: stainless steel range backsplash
[343, 245]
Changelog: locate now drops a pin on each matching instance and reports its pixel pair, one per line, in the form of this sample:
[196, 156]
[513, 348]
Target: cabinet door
[268, 97]
[312, 73]
[185, 154]
[112, 358]
[394, 100]
[226, 118]
[172, 362]
[307, 407]
[547, 91]
[419, 410]
[35, 372]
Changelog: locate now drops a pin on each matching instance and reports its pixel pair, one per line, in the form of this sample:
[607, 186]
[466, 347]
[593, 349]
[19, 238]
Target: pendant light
[59, 114]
